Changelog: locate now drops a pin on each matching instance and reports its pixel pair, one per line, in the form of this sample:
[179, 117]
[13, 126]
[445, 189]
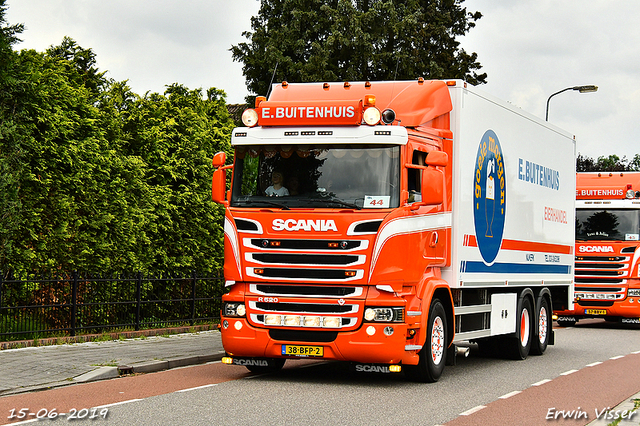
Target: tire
[433, 355]
[274, 365]
[544, 324]
[518, 347]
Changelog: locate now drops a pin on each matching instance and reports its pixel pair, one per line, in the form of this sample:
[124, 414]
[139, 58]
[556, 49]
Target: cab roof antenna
[271, 82]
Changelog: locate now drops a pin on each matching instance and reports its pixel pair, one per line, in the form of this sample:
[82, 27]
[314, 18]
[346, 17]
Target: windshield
[615, 225]
[329, 176]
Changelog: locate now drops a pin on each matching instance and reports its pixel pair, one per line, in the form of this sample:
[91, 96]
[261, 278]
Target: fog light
[332, 322]
[395, 368]
[227, 360]
[312, 321]
[371, 330]
[388, 331]
[238, 325]
[225, 324]
[271, 319]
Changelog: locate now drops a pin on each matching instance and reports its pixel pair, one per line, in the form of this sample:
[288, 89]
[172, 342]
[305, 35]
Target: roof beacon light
[250, 117]
[369, 101]
[259, 100]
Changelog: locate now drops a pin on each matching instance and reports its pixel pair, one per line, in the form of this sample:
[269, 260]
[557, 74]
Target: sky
[529, 49]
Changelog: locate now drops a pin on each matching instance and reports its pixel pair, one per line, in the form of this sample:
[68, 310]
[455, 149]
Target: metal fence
[80, 304]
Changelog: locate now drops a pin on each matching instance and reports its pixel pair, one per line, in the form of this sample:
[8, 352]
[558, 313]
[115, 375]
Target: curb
[106, 373]
[624, 408]
[155, 366]
[98, 374]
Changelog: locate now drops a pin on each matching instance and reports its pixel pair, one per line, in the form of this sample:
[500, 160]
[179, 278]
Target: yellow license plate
[595, 312]
[295, 350]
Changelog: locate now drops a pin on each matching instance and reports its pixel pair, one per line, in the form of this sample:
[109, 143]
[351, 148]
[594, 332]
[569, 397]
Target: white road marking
[198, 387]
[473, 410]
[510, 394]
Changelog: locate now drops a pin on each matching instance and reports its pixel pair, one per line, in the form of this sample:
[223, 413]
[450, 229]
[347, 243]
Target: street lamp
[581, 89]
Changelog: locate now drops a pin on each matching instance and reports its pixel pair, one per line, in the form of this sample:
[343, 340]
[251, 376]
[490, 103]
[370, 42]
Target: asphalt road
[592, 366]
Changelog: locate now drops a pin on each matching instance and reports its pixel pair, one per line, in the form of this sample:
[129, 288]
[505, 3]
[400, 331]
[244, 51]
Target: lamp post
[581, 89]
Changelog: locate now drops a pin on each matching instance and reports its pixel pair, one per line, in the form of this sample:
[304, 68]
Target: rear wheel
[520, 345]
[540, 343]
[433, 353]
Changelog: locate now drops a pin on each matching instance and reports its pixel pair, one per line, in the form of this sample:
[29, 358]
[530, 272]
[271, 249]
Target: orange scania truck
[393, 225]
[607, 248]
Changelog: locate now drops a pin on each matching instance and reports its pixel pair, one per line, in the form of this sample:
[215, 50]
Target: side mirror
[219, 186]
[219, 181]
[437, 158]
[219, 159]
[432, 186]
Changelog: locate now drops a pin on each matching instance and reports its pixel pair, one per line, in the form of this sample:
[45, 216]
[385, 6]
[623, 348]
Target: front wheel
[433, 353]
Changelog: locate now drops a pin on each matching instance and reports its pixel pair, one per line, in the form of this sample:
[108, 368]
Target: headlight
[371, 116]
[633, 292]
[250, 117]
[392, 314]
[234, 309]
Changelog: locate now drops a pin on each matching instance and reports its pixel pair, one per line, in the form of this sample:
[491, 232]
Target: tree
[612, 163]
[320, 40]
[10, 138]
[79, 197]
[84, 62]
[176, 135]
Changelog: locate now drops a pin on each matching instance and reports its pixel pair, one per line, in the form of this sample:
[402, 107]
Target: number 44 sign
[376, 202]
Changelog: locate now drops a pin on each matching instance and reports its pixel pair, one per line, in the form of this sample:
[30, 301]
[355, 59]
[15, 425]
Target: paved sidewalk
[44, 367]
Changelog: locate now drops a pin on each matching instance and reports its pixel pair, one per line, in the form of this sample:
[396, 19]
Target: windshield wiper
[336, 201]
[268, 203]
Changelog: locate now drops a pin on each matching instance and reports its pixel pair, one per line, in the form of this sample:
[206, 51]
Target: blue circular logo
[490, 196]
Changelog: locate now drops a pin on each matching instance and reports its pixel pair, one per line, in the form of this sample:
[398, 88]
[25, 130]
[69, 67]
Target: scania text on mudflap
[393, 225]
[607, 283]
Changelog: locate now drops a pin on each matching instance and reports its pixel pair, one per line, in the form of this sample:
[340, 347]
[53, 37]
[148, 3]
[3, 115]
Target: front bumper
[627, 308]
[368, 344]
